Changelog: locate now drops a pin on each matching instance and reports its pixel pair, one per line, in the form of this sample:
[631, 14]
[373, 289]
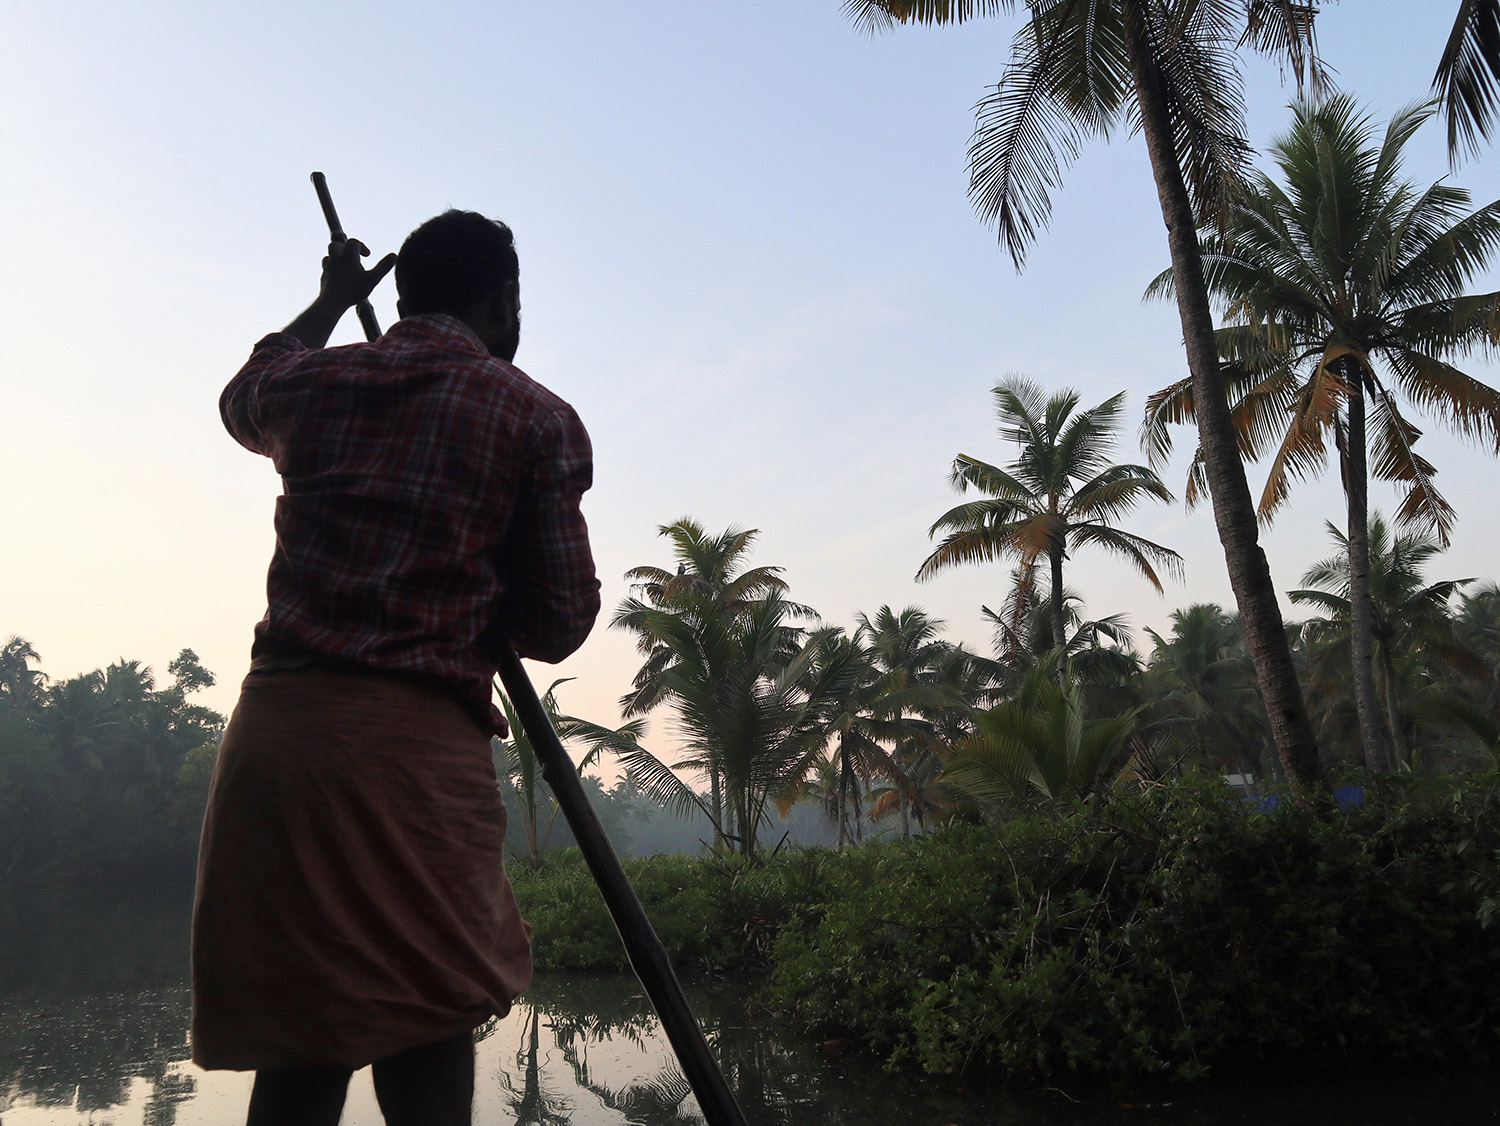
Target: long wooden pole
[648, 957]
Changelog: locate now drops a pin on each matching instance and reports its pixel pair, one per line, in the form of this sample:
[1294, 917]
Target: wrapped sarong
[352, 900]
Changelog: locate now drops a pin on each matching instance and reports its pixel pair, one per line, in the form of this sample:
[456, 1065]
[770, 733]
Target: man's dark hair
[451, 261]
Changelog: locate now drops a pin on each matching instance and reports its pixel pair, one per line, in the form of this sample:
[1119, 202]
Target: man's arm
[552, 595]
[344, 284]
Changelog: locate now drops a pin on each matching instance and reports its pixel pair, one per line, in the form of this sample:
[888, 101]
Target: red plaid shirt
[430, 503]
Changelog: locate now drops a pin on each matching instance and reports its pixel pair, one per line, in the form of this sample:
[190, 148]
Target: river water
[94, 1020]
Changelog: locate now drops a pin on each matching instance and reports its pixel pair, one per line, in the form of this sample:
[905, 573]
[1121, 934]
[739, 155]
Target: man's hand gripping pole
[364, 310]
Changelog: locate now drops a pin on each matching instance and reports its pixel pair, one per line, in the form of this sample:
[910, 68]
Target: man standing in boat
[352, 905]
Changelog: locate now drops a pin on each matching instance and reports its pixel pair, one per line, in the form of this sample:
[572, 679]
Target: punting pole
[364, 310]
[648, 957]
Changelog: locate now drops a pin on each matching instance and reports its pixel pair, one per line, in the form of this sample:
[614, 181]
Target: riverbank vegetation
[1178, 930]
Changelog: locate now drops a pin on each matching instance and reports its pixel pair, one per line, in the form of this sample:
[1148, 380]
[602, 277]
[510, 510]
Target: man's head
[465, 265]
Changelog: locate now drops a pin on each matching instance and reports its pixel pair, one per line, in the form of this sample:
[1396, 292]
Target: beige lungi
[352, 900]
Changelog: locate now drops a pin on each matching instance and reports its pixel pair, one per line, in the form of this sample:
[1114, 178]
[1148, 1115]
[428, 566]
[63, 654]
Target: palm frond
[882, 15]
[1392, 441]
[1466, 76]
[1026, 132]
[1190, 49]
[1285, 31]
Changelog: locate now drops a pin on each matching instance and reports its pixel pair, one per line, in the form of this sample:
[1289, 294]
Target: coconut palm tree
[857, 730]
[516, 761]
[1097, 651]
[77, 719]
[1078, 70]
[724, 649]
[1040, 744]
[882, 686]
[1417, 640]
[752, 703]
[711, 588]
[932, 686]
[1477, 624]
[1060, 492]
[1411, 619]
[1204, 686]
[20, 684]
[1344, 290]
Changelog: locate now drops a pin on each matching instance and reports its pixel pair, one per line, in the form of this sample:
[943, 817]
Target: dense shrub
[712, 913]
[1163, 933]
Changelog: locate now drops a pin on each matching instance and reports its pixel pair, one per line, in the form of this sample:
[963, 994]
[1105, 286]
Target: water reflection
[88, 1054]
[79, 1044]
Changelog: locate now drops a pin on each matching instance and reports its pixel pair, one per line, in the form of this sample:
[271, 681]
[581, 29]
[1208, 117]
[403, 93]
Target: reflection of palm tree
[660, 1098]
[168, 1093]
[61, 1057]
[533, 1105]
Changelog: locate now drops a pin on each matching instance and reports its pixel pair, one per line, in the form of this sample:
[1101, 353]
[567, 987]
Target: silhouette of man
[352, 906]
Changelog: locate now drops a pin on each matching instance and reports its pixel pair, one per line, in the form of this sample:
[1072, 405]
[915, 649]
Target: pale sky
[747, 258]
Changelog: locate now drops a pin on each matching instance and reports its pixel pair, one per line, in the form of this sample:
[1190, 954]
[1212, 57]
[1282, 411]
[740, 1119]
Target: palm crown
[1060, 492]
[1342, 272]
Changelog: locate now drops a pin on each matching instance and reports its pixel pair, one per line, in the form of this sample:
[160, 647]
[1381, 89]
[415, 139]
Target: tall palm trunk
[1372, 733]
[1234, 513]
[745, 828]
[846, 777]
[533, 843]
[1059, 625]
[1401, 753]
[716, 800]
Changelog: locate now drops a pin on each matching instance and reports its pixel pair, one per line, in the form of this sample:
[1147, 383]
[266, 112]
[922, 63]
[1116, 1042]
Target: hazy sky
[747, 258]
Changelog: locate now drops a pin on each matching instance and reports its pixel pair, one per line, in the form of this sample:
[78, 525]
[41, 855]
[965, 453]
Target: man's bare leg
[312, 1096]
[428, 1086]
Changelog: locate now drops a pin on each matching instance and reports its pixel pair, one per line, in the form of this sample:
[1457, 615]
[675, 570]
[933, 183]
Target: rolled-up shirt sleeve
[552, 592]
[240, 404]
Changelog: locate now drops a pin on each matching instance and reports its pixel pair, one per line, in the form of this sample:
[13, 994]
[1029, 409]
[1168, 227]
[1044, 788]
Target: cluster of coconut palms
[1321, 306]
[1080, 69]
[890, 724]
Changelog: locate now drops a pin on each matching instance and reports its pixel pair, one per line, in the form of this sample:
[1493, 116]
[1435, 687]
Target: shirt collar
[438, 328]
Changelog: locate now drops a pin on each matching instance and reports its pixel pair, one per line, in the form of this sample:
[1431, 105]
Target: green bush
[712, 913]
[1161, 933]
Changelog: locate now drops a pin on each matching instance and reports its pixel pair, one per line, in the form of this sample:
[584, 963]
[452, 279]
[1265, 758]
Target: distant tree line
[105, 774]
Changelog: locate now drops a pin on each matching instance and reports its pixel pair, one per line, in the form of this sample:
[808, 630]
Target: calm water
[93, 1029]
